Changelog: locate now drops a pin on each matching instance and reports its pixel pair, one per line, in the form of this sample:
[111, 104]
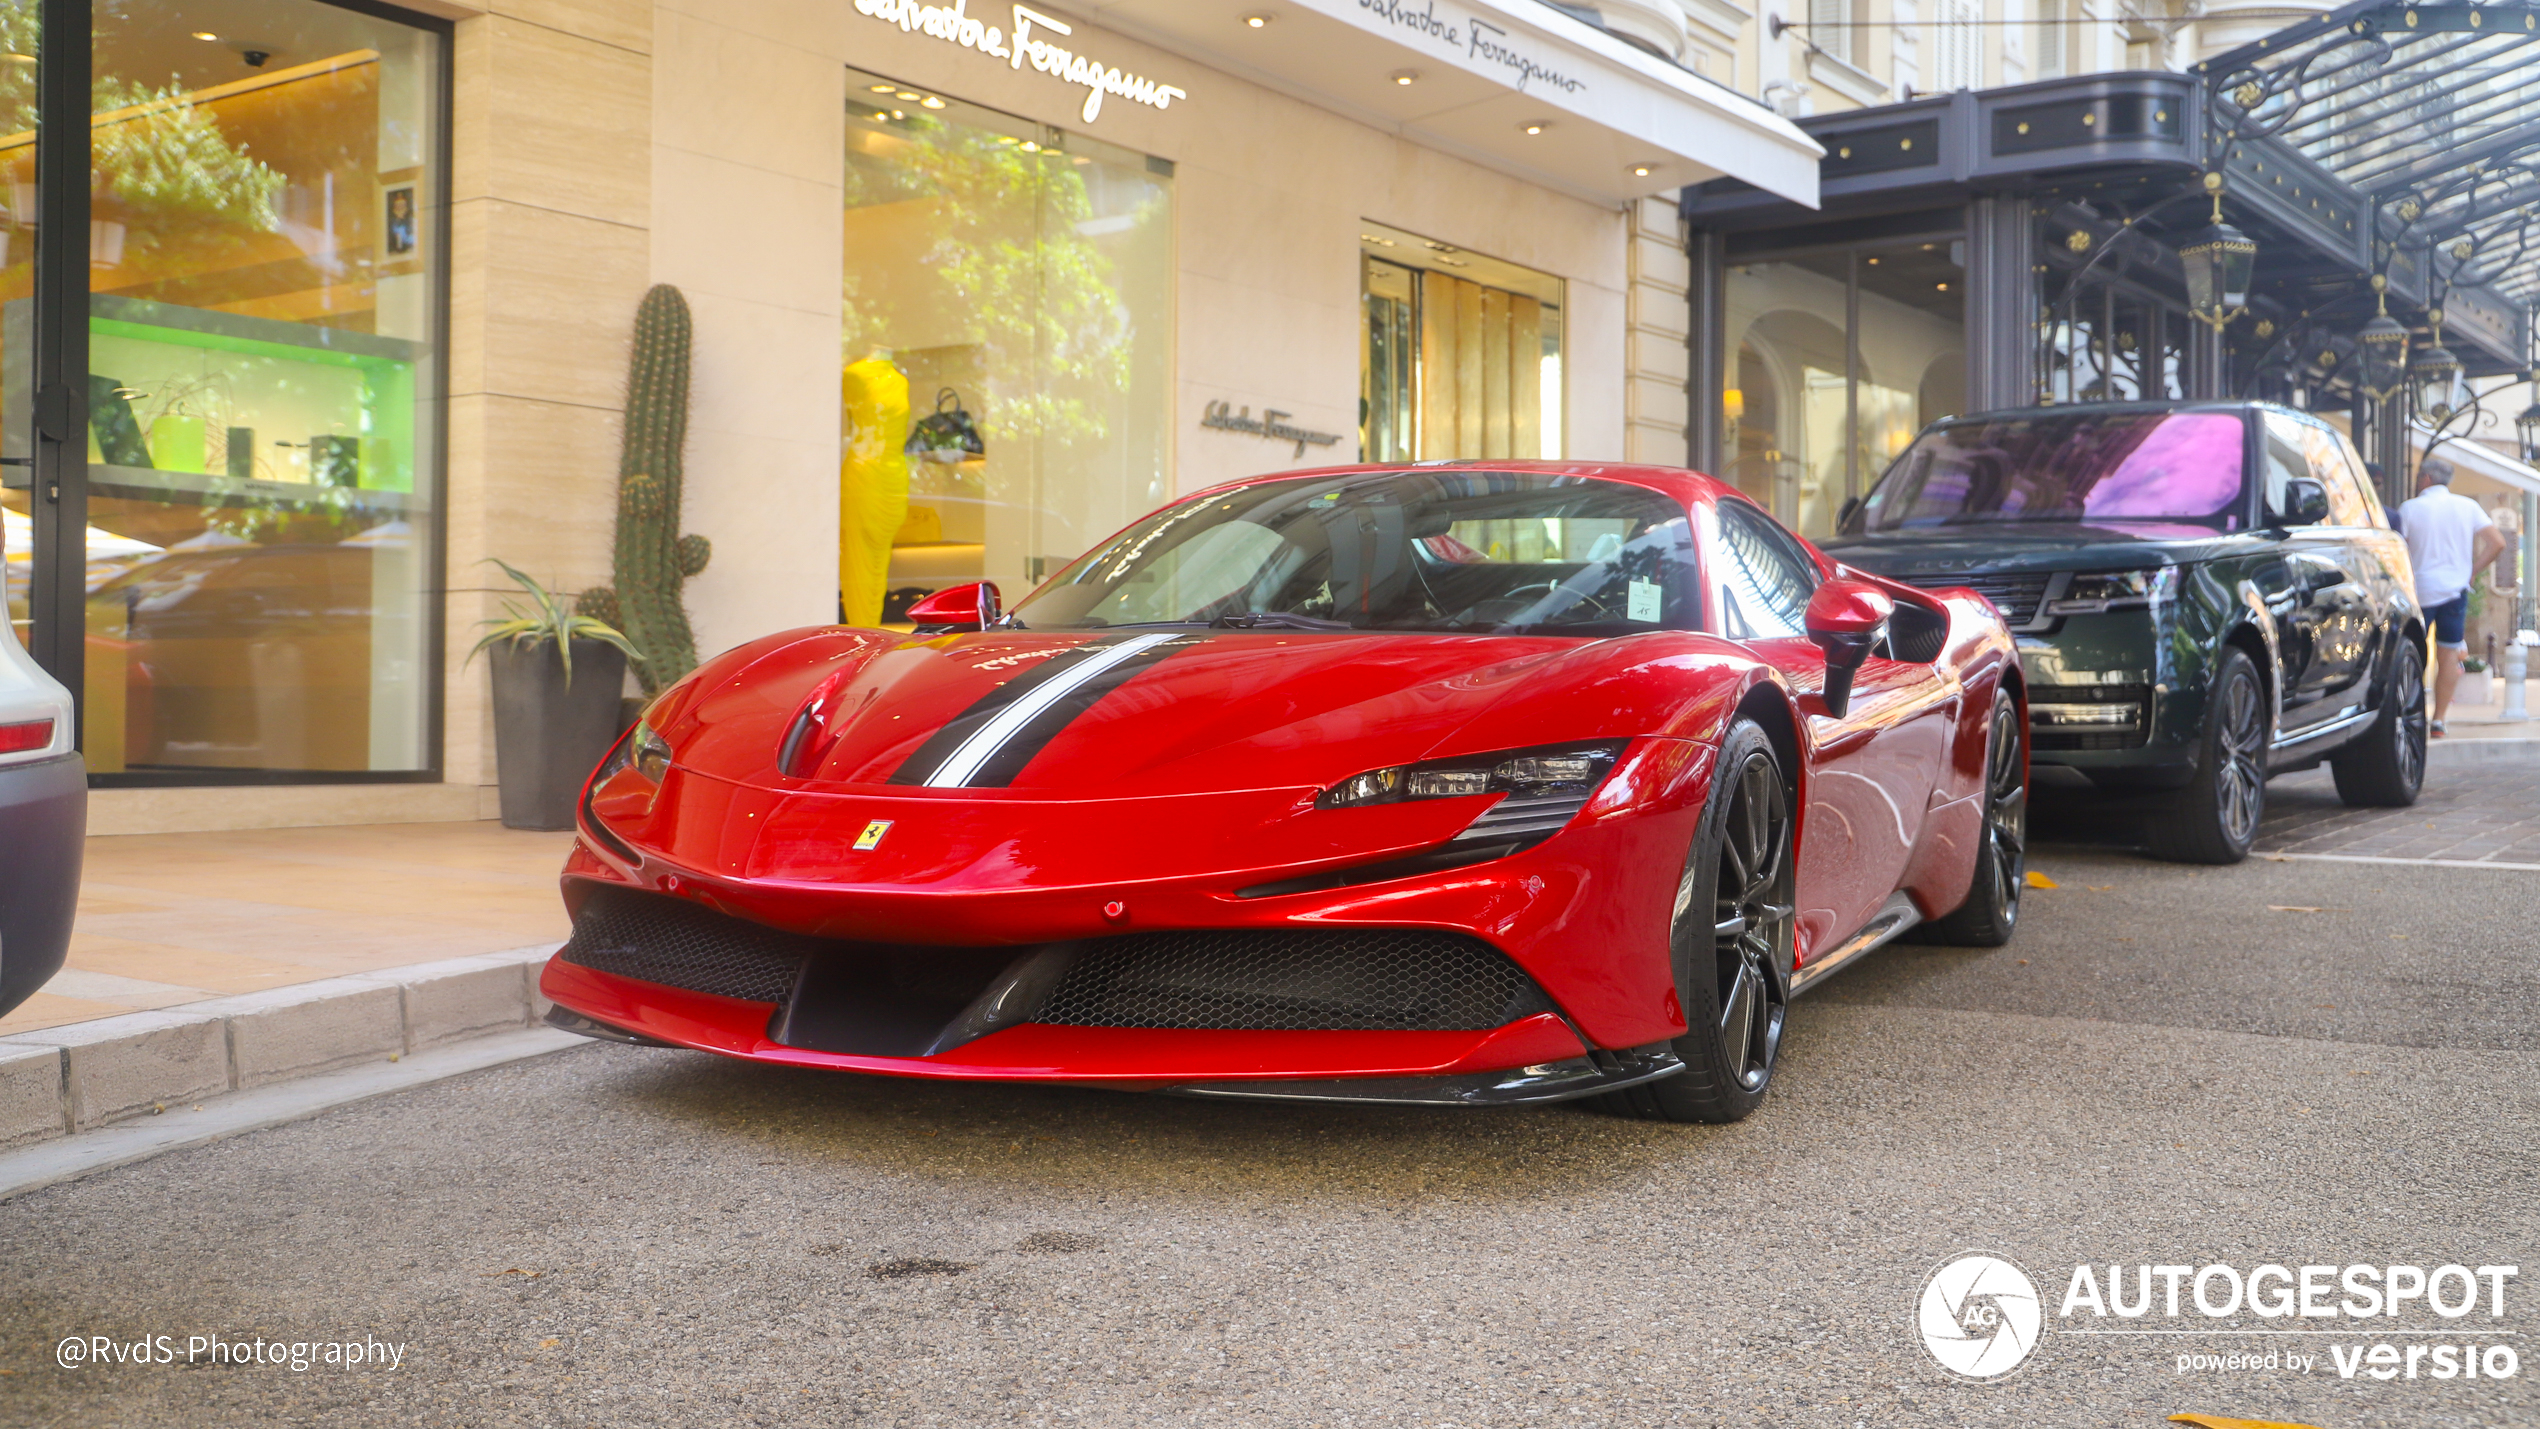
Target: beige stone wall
[1661, 278]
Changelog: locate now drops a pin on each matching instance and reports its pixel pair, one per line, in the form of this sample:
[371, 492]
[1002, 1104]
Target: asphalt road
[2291, 1063]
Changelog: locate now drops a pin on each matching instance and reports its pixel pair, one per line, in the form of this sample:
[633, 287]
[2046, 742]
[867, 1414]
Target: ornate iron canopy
[2428, 112]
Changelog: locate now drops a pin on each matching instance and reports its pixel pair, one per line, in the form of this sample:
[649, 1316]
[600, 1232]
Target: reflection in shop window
[1842, 357]
[262, 450]
[1006, 346]
[1460, 354]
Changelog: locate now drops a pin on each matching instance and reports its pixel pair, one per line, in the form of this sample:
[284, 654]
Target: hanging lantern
[2383, 346]
[2436, 375]
[2220, 263]
[2527, 426]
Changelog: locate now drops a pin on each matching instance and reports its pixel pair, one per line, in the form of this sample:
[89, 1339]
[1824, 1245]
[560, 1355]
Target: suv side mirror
[2305, 502]
[970, 606]
[1846, 619]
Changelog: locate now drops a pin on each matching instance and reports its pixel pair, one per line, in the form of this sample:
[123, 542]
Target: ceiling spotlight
[1640, 171]
[882, 88]
[1940, 287]
[1405, 76]
[932, 102]
[1538, 126]
[905, 94]
[206, 35]
[1257, 20]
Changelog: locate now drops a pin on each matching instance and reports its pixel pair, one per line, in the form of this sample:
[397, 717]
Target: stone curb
[59, 1080]
[2455, 753]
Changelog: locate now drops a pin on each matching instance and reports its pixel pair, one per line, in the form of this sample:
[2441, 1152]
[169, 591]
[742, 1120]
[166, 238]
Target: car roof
[2004, 414]
[1679, 482]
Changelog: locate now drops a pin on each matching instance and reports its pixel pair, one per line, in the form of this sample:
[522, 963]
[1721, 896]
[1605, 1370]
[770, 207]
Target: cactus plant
[652, 560]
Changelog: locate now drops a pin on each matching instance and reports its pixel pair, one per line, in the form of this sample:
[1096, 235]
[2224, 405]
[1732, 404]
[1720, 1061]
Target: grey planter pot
[550, 735]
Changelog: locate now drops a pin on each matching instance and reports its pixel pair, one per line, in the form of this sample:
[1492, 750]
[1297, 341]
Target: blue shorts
[2450, 621]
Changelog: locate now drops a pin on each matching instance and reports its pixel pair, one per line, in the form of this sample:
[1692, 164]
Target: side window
[1765, 576]
[2280, 459]
[2345, 484]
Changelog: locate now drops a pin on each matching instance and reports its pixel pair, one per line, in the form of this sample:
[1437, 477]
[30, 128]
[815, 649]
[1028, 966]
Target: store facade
[973, 285]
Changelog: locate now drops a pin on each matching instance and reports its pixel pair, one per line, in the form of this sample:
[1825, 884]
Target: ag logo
[1979, 1316]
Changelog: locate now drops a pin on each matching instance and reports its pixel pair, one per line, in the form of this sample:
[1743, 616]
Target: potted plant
[558, 675]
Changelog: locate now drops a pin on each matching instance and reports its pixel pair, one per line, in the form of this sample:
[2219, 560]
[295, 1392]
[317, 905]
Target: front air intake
[1361, 979]
[675, 943]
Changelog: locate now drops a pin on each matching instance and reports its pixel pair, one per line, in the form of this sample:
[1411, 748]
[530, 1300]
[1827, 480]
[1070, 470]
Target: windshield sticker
[1642, 600]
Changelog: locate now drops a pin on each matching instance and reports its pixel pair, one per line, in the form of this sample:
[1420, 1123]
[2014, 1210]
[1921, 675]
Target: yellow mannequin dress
[872, 484]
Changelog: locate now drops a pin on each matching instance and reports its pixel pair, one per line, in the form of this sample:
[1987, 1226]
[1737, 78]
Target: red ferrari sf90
[1472, 783]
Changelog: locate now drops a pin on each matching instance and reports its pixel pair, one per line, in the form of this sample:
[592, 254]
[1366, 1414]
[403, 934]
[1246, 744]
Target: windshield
[1488, 551]
[2076, 466]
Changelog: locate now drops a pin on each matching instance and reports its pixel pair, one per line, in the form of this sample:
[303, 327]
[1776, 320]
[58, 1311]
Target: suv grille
[2016, 594]
[676, 943]
[1373, 979]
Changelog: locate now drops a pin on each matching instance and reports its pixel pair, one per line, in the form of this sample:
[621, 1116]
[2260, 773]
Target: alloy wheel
[2006, 807]
[2241, 781]
[2411, 725]
[1753, 923]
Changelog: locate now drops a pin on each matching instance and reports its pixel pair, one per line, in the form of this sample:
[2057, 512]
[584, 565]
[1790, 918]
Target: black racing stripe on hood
[940, 746]
[1017, 751]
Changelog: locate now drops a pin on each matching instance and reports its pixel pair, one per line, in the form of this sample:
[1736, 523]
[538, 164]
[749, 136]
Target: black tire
[2386, 768]
[1992, 906]
[1731, 941]
[2215, 818]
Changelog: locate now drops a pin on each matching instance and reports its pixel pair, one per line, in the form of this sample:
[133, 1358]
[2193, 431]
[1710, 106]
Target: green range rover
[2205, 594]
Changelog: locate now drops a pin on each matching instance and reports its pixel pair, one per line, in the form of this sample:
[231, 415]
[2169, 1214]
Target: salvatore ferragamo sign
[1025, 43]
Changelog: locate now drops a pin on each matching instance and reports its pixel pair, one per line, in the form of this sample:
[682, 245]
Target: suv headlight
[1545, 786]
[2091, 592]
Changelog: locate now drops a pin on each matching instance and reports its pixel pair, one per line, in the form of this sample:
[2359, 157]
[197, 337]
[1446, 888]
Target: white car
[43, 818]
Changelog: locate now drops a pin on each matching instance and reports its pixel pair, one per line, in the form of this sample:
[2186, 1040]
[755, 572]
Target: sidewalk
[171, 919]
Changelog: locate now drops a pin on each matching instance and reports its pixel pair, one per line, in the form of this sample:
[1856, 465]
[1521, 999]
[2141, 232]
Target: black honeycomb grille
[2016, 594]
[676, 943]
[1374, 980]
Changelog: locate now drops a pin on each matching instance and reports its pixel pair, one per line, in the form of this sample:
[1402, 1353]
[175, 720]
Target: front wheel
[1730, 942]
[1992, 906]
[2215, 818]
[2386, 768]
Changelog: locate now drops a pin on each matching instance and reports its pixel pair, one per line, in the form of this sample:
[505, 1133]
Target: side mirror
[969, 606]
[1846, 619]
[2305, 502]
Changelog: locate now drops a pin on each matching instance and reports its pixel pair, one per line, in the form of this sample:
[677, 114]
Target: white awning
[1610, 122]
[2476, 458]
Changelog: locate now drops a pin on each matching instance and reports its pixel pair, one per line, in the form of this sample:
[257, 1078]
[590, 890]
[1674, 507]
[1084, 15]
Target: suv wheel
[2386, 768]
[2215, 818]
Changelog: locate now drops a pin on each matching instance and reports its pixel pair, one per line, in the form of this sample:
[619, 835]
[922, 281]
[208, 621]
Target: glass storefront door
[1460, 354]
[1007, 348]
[261, 480]
[1841, 357]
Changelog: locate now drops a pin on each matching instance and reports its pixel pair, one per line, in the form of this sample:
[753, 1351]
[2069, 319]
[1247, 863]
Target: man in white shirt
[2449, 538]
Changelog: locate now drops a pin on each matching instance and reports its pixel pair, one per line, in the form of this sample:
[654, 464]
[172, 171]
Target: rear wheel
[2215, 818]
[1992, 908]
[2386, 768]
[1730, 942]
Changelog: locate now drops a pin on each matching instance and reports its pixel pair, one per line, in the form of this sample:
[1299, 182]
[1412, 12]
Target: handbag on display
[946, 434]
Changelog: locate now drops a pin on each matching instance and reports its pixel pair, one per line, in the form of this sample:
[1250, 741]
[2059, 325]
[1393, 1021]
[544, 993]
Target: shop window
[263, 466]
[1842, 357]
[1007, 346]
[1460, 353]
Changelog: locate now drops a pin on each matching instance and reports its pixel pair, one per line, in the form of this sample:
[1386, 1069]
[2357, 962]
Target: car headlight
[643, 751]
[2091, 592]
[1545, 787]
